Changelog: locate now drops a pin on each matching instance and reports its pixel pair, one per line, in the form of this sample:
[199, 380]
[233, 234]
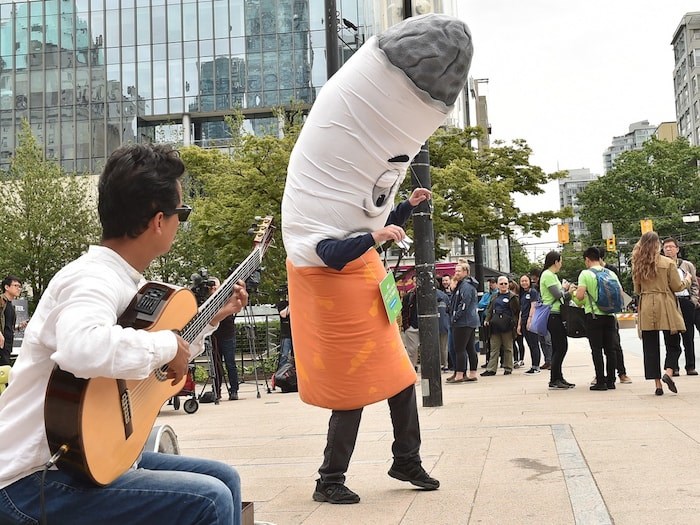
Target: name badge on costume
[505, 300]
[390, 296]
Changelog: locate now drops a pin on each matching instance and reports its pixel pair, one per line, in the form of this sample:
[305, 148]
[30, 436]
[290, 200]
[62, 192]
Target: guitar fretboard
[213, 304]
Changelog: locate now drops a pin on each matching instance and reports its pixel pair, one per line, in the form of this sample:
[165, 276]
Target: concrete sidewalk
[506, 449]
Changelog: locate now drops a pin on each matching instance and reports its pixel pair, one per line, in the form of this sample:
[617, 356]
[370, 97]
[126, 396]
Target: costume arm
[400, 214]
[336, 253]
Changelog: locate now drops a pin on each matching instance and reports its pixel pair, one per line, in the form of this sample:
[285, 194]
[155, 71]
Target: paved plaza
[506, 449]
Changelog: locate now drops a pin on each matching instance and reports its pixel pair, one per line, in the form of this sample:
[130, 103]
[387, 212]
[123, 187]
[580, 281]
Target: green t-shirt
[588, 279]
[547, 279]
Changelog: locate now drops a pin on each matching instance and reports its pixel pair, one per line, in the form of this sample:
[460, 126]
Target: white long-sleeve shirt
[75, 327]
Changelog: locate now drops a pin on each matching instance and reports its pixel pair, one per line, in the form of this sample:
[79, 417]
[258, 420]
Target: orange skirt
[347, 353]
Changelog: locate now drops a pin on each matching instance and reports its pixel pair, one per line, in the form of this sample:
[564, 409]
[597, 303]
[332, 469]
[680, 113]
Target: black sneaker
[415, 474]
[336, 493]
[487, 373]
[570, 385]
[558, 385]
[599, 386]
[507, 372]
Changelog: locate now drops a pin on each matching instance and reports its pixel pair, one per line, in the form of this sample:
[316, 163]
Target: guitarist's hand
[177, 368]
[236, 303]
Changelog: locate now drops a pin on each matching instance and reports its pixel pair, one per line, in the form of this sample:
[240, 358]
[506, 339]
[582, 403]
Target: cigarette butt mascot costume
[369, 121]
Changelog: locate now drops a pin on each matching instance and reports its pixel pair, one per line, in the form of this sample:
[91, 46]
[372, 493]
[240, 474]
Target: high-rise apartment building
[686, 76]
[569, 188]
[638, 134]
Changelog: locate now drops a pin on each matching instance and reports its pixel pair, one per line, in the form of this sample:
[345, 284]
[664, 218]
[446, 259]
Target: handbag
[538, 324]
[501, 323]
[574, 320]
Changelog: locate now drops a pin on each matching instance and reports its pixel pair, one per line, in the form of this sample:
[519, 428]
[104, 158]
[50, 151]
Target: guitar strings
[204, 315]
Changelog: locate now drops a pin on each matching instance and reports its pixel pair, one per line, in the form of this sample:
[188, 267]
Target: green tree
[48, 217]
[658, 182]
[231, 190]
[474, 191]
[519, 261]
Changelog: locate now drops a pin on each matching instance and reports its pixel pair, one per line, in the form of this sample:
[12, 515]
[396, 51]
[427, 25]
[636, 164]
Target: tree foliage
[230, 190]
[520, 263]
[658, 182]
[48, 218]
[474, 191]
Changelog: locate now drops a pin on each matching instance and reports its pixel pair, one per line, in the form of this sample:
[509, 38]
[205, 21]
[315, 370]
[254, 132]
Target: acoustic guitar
[99, 426]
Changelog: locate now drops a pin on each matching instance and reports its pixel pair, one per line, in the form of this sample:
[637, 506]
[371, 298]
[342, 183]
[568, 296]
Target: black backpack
[286, 377]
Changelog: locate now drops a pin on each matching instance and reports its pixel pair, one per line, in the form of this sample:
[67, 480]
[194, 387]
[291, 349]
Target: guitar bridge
[125, 402]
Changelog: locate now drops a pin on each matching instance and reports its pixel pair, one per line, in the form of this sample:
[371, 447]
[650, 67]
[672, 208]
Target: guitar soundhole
[162, 373]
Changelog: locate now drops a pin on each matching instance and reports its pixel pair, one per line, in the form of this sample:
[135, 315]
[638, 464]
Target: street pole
[426, 296]
[332, 46]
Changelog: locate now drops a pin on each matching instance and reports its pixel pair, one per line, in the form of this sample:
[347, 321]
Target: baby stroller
[191, 405]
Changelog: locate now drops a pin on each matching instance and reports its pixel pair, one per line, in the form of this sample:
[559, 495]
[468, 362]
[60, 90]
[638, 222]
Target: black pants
[620, 360]
[533, 342]
[342, 435]
[688, 311]
[601, 332]
[652, 352]
[464, 348]
[560, 345]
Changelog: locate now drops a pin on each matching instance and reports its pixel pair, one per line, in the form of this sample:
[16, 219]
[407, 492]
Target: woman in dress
[656, 281]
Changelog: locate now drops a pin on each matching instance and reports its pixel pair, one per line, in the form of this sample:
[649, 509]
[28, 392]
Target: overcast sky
[568, 76]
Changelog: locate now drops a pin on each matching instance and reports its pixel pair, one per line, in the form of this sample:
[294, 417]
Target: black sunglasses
[183, 213]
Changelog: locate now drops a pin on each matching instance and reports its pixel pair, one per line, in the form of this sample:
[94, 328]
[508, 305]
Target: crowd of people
[498, 321]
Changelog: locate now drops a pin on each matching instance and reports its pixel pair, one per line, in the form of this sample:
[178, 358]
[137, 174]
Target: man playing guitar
[75, 327]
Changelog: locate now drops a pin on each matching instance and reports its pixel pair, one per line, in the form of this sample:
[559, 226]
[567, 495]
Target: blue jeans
[164, 489]
[285, 351]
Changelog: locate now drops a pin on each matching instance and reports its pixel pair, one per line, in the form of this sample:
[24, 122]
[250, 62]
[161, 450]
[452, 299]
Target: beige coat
[658, 305]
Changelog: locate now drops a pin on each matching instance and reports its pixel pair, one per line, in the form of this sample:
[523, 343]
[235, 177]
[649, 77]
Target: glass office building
[90, 75]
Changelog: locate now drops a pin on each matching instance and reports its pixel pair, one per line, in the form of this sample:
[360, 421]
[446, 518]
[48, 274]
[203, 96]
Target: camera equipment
[252, 283]
[201, 285]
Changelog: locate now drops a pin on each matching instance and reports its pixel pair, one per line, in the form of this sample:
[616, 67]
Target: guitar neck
[213, 304]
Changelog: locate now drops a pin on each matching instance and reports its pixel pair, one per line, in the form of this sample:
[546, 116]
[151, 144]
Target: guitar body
[106, 422]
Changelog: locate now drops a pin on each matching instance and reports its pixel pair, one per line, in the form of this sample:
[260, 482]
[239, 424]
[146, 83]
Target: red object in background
[405, 273]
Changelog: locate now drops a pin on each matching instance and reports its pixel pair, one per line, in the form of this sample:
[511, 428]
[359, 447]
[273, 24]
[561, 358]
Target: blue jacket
[464, 303]
[443, 306]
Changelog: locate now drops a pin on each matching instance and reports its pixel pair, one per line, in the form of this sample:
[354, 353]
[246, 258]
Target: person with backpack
[600, 293]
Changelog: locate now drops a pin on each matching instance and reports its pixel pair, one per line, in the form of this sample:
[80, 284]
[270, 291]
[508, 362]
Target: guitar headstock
[263, 233]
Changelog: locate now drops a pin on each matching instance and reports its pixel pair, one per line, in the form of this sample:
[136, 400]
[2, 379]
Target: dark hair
[138, 181]
[535, 271]
[551, 258]
[670, 239]
[592, 254]
[7, 281]
[491, 280]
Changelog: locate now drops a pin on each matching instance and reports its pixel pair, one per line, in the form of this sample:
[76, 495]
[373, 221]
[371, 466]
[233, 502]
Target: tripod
[215, 371]
[249, 324]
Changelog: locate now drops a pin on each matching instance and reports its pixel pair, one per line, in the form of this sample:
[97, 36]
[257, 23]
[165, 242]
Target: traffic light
[563, 233]
[647, 225]
[610, 244]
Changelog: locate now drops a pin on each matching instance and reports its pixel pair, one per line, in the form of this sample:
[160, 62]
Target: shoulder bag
[538, 323]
